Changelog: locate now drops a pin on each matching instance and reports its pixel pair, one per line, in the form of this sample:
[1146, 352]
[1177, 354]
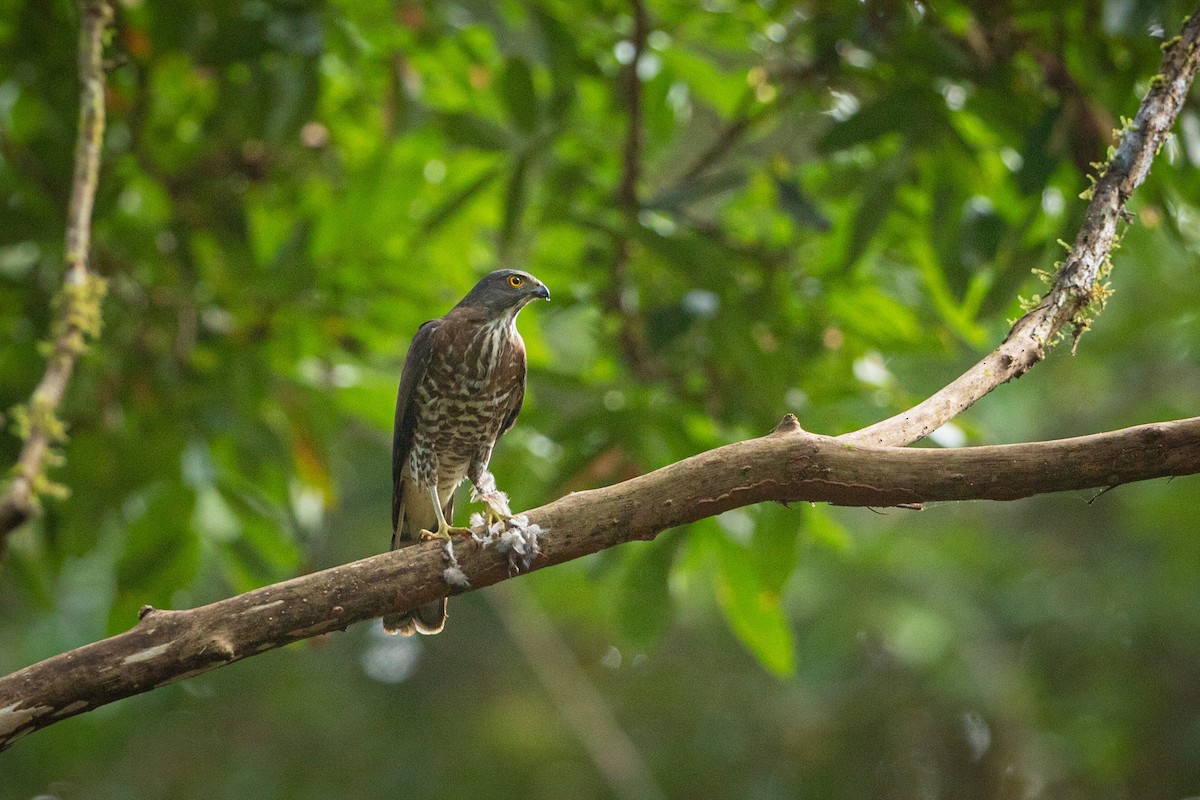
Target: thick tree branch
[1080, 281]
[788, 465]
[78, 302]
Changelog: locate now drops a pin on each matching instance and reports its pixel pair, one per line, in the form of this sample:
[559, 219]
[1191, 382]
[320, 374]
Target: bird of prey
[461, 388]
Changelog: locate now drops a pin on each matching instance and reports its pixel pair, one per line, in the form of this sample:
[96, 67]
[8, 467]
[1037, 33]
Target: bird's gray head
[505, 291]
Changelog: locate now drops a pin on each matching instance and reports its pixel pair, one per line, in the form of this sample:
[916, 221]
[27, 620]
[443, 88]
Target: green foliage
[839, 205]
[752, 608]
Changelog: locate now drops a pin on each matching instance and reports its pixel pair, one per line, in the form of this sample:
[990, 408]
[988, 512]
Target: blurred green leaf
[515, 198]
[774, 548]
[908, 111]
[453, 203]
[874, 315]
[643, 610]
[821, 525]
[797, 205]
[959, 316]
[877, 199]
[754, 613]
[471, 130]
[160, 555]
[520, 98]
[1037, 159]
[258, 555]
[563, 60]
[685, 193]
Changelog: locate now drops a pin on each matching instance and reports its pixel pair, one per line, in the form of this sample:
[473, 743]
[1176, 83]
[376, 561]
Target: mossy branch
[1079, 288]
[77, 304]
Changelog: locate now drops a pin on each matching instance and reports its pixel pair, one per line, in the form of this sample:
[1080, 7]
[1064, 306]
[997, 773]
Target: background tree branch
[631, 336]
[578, 700]
[77, 304]
[788, 465]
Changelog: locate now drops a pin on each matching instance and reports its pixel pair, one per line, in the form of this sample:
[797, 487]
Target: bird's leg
[445, 529]
[484, 490]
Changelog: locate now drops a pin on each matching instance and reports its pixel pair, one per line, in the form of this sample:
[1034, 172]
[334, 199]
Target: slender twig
[726, 138]
[787, 465]
[631, 162]
[630, 336]
[982, 45]
[1093, 123]
[1080, 281]
[747, 116]
[78, 302]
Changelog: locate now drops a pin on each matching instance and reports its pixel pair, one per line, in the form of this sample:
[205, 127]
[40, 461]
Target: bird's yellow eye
[515, 280]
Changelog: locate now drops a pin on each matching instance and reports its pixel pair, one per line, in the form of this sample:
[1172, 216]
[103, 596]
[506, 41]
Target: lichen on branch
[77, 304]
[1079, 286]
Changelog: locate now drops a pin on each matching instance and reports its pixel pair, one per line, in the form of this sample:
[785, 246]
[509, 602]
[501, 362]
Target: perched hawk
[462, 387]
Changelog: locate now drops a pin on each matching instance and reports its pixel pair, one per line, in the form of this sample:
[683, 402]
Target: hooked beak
[541, 291]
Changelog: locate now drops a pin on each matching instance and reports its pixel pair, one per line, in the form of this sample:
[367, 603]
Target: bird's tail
[429, 618]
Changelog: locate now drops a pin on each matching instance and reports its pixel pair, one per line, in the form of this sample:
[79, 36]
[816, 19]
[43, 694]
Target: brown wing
[415, 364]
[519, 396]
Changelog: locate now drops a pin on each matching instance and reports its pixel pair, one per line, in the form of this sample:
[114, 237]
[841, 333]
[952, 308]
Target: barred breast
[462, 401]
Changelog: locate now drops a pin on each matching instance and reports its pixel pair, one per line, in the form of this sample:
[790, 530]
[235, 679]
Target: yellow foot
[496, 512]
[443, 533]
